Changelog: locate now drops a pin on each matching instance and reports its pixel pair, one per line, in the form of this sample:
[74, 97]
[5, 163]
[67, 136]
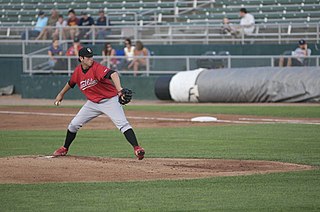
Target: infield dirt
[40, 169]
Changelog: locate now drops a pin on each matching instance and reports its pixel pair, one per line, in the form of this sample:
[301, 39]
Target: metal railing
[175, 34]
[38, 64]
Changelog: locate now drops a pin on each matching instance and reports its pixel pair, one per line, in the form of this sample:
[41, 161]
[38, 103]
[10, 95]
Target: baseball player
[105, 95]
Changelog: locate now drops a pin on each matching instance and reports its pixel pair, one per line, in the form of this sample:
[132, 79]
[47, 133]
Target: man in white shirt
[247, 22]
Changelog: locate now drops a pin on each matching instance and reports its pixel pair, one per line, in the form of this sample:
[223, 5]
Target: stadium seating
[173, 13]
[25, 11]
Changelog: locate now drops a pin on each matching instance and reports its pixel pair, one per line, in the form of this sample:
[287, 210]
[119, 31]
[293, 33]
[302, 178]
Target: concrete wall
[11, 69]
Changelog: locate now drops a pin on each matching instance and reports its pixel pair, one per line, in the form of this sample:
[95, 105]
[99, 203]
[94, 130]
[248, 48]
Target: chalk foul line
[239, 121]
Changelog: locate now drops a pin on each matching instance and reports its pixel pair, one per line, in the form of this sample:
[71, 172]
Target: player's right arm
[60, 95]
[70, 84]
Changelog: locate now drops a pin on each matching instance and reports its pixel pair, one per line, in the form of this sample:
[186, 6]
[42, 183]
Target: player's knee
[125, 127]
[74, 127]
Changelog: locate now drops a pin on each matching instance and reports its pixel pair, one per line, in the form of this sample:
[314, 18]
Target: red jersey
[93, 83]
[71, 52]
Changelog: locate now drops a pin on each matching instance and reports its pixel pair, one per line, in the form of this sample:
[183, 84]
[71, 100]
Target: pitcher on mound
[105, 95]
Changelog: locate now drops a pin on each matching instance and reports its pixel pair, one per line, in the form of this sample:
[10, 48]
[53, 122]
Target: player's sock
[131, 137]
[69, 138]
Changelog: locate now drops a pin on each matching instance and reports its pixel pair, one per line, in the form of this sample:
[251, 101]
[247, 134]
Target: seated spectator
[60, 28]
[246, 23]
[227, 27]
[54, 50]
[73, 23]
[128, 52]
[47, 31]
[102, 21]
[108, 52]
[74, 51]
[41, 23]
[141, 62]
[86, 21]
[299, 56]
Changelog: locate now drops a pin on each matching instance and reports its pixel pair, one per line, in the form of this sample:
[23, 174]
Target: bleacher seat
[175, 13]
[294, 9]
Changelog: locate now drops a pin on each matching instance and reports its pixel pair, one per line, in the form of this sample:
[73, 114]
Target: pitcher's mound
[41, 169]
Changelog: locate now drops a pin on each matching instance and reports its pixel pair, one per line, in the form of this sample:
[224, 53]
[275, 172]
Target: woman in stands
[108, 52]
[128, 52]
[141, 61]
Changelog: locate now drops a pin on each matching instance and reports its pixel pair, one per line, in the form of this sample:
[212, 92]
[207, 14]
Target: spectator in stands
[108, 52]
[74, 51]
[54, 50]
[73, 23]
[41, 23]
[86, 21]
[299, 56]
[102, 20]
[50, 24]
[141, 62]
[227, 27]
[246, 23]
[61, 25]
[128, 52]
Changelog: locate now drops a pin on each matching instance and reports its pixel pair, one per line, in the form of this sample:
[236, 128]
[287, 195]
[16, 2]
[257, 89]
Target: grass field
[294, 191]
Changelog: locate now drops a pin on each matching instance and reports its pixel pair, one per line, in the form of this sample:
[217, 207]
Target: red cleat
[62, 151]
[139, 152]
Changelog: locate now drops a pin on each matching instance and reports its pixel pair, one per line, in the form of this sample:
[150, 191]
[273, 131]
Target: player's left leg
[113, 109]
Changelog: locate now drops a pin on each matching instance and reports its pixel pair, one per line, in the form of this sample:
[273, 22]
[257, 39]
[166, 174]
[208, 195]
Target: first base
[204, 119]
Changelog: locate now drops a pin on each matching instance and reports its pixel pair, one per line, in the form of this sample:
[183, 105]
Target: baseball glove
[125, 96]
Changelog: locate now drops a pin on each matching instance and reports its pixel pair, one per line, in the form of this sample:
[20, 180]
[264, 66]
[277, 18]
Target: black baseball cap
[244, 10]
[302, 42]
[85, 52]
[76, 40]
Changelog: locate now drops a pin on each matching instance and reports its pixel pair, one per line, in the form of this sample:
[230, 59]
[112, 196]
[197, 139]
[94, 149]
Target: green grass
[281, 142]
[274, 192]
[294, 191]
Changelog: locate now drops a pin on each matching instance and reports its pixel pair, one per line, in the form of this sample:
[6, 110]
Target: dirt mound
[42, 169]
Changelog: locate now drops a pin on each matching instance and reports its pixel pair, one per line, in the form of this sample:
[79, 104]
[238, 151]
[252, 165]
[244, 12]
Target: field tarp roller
[263, 84]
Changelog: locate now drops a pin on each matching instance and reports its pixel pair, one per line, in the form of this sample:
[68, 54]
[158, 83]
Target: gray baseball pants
[90, 110]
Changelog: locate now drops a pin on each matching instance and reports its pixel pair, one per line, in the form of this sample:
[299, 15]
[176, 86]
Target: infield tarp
[263, 84]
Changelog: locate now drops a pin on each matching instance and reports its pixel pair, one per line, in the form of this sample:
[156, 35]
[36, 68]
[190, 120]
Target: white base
[204, 119]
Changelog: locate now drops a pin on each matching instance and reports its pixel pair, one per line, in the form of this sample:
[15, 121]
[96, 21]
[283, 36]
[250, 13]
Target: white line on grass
[290, 121]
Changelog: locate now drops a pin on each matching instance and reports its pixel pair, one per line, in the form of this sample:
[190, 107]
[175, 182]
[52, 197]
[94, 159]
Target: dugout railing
[158, 65]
